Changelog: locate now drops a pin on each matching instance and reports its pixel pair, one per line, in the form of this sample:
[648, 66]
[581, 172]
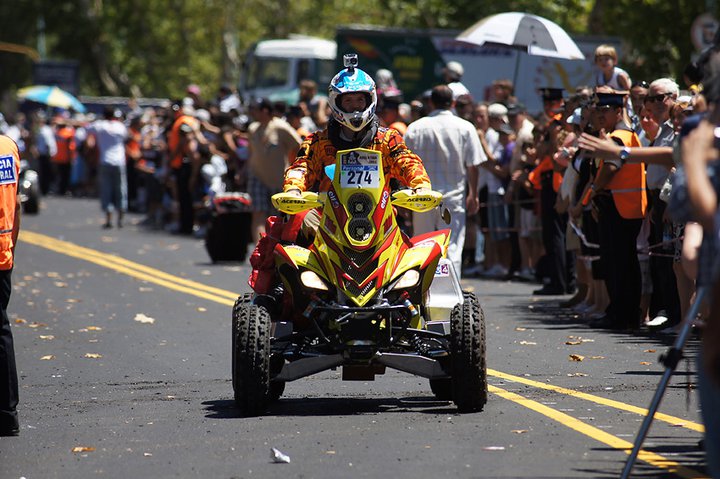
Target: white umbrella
[530, 33]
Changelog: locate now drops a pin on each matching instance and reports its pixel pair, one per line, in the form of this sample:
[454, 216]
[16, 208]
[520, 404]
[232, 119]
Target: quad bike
[363, 296]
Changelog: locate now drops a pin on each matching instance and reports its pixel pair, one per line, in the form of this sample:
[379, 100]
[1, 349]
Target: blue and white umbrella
[51, 96]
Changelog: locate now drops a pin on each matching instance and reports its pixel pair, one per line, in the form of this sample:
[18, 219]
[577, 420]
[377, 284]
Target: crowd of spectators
[535, 221]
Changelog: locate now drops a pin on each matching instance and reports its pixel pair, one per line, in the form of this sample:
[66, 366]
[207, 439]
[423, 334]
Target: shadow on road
[339, 406]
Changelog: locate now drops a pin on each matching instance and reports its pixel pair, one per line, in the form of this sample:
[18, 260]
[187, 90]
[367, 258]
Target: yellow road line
[130, 268]
[675, 421]
[63, 246]
[217, 295]
[597, 434]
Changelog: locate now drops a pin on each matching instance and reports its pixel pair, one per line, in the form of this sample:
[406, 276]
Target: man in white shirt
[45, 148]
[109, 135]
[451, 153]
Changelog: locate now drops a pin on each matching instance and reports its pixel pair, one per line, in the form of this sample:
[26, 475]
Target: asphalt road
[123, 348]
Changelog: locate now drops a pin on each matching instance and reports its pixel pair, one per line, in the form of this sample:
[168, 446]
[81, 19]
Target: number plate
[360, 169]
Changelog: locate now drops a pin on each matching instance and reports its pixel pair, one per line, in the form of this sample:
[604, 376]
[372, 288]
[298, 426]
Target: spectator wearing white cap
[452, 75]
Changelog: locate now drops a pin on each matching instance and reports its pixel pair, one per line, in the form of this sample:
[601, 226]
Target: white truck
[273, 68]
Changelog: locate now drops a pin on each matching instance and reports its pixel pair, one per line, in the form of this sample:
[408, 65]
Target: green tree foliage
[157, 47]
[656, 33]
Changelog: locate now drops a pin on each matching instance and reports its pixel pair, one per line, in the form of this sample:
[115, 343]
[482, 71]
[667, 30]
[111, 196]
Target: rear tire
[32, 204]
[468, 366]
[251, 357]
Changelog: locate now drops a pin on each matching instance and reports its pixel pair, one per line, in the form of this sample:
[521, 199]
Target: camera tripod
[670, 360]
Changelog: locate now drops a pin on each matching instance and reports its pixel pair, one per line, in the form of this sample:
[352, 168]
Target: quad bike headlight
[311, 280]
[409, 279]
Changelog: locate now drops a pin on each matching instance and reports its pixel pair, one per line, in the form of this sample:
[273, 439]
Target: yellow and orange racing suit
[317, 151]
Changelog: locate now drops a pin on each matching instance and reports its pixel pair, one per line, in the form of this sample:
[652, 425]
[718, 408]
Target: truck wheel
[251, 358]
[467, 344]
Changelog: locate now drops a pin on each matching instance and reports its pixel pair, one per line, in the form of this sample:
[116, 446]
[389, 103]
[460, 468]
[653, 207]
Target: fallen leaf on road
[77, 449]
[144, 289]
[576, 357]
[201, 309]
[649, 351]
[519, 431]
[108, 239]
[48, 337]
[573, 343]
[577, 375]
[206, 272]
[147, 454]
[49, 357]
[60, 284]
[141, 318]
[330, 452]
[528, 343]
[520, 329]
[93, 355]
[71, 300]
[94, 328]
[28, 278]
[20, 321]
[645, 363]
[53, 274]
[597, 357]
[173, 247]
[36, 325]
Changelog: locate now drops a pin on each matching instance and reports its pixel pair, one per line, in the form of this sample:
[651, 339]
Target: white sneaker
[497, 271]
[474, 270]
[657, 322]
[526, 275]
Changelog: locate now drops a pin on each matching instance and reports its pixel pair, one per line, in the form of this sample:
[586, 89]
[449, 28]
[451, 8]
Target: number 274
[359, 177]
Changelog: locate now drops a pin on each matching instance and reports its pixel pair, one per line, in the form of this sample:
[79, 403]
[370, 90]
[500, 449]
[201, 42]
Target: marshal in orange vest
[628, 184]
[9, 174]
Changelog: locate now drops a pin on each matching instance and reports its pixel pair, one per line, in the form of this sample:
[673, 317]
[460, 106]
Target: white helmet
[352, 80]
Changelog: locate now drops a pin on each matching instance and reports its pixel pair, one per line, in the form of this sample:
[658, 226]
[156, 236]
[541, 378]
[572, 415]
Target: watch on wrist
[624, 154]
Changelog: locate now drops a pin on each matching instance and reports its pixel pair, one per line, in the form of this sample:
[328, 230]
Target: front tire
[251, 357]
[468, 366]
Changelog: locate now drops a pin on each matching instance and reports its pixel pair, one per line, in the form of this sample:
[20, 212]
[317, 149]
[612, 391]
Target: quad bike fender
[298, 257]
[424, 255]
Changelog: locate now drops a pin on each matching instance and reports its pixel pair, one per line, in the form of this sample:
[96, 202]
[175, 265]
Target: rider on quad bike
[352, 97]
[339, 284]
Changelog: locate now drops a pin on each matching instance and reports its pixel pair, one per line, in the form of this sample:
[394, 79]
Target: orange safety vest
[65, 138]
[9, 174]
[174, 138]
[545, 165]
[628, 184]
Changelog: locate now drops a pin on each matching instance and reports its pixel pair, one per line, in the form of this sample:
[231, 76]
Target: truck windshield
[267, 72]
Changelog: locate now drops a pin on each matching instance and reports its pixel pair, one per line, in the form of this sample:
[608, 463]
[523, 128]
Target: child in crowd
[609, 73]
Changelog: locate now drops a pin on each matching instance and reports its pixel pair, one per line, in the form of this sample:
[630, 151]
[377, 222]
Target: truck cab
[273, 69]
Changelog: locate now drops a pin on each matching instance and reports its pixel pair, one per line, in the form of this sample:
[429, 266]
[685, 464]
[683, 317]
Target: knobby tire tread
[469, 370]
[252, 359]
